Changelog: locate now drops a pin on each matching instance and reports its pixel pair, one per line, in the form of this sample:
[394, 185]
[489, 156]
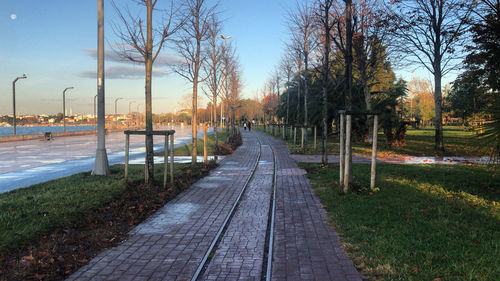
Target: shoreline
[41, 136]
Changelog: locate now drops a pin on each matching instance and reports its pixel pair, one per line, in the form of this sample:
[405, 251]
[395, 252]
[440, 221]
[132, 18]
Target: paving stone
[183, 229]
[171, 244]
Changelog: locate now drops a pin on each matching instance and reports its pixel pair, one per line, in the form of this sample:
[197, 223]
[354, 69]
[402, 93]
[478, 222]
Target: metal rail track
[268, 254]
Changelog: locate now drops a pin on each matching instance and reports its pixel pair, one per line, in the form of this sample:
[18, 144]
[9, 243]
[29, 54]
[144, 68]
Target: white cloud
[164, 59]
[124, 72]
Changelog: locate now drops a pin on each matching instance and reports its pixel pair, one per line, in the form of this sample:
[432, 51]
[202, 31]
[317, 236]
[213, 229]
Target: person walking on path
[245, 125]
[249, 125]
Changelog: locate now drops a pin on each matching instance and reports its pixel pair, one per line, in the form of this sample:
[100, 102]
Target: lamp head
[68, 88]
[21, 77]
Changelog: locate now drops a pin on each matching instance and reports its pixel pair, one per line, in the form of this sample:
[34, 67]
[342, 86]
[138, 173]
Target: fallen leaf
[83, 261]
[27, 260]
[423, 210]
[415, 269]
[39, 276]
[449, 195]
[410, 217]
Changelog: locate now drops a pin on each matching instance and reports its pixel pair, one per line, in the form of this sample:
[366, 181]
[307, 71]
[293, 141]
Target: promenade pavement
[172, 244]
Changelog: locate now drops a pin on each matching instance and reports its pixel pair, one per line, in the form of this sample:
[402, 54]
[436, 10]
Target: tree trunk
[368, 103]
[288, 100]
[149, 170]
[194, 123]
[306, 93]
[348, 71]
[439, 147]
[326, 60]
[233, 128]
[297, 119]
[215, 124]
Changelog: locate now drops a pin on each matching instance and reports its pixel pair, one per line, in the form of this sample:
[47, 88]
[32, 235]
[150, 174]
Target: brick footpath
[240, 253]
[171, 244]
[306, 247]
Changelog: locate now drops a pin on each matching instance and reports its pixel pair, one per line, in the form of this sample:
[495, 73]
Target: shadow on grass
[421, 225]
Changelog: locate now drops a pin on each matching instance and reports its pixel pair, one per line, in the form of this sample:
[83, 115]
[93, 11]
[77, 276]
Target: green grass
[419, 142]
[426, 221]
[185, 150]
[29, 213]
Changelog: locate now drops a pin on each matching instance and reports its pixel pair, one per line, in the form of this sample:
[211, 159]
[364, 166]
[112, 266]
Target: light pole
[14, 99]
[116, 116]
[101, 165]
[95, 112]
[225, 76]
[129, 111]
[139, 121]
[129, 103]
[64, 108]
[116, 101]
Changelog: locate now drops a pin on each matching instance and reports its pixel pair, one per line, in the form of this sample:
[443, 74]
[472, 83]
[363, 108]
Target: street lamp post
[95, 112]
[129, 103]
[14, 100]
[225, 78]
[129, 111]
[116, 101]
[101, 164]
[64, 108]
[139, 121]
[116, 116]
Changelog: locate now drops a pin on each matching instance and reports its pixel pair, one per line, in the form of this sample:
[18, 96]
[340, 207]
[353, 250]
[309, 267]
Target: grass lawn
[427, 222]
[419, 142]
[50, 229]
[185, 150]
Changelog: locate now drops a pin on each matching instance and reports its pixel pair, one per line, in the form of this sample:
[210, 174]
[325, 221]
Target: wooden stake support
[346, 146]
[165, 133]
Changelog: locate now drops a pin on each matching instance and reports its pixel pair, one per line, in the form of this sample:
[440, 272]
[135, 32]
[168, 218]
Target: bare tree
[325, 26]
[370, 34]
[235, 85]
[228, 53]
[287, 67]
[136, 46]
[214, 68]
[431, 33]
[195, 33]
[296, 55]
[277, 82]
[302, 26]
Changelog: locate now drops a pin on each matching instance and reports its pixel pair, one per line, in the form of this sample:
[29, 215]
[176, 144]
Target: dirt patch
[65, 250]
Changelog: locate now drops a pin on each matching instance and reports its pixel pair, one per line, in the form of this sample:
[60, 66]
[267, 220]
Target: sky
[54, 43]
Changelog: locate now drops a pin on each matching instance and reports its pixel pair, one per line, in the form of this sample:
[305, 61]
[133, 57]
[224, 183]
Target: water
[7, 131]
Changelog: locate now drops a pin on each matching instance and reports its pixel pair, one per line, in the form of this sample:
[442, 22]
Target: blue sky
[53, 42]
